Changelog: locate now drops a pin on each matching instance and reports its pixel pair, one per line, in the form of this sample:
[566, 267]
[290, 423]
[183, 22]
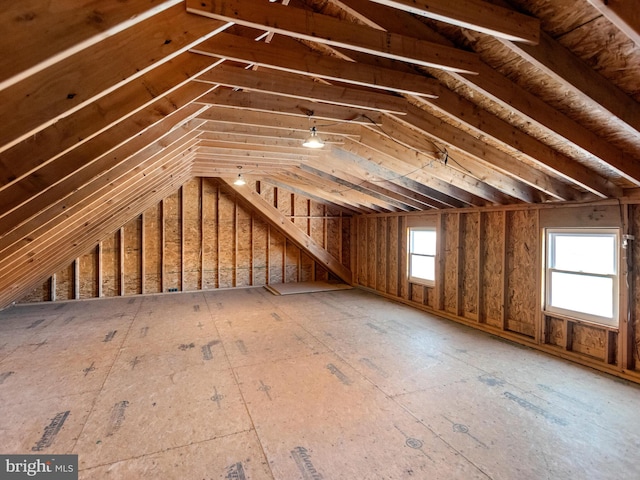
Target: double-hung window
[581, 274]
[422, 255]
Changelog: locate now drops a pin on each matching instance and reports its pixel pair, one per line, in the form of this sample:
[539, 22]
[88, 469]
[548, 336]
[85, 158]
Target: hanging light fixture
[313, 141]
[239, 181]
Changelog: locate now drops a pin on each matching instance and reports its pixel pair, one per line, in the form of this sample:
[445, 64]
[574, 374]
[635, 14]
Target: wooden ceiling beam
[71, 84]
[78, 128]
[358, 186]
[561, 64]
[265, 143]
[375, 176]
[254, 154]
[512, 97]
[60, 201]
[418, 161]
[348, 193]
[289, 56]
[329, 167]
[475, 15]
[223, 119]
[623, 14]
[305, 109]
[282, 182]
[514, 177]
[484, 123]
[314, 27]
[389, 165]
[302, 87]
[89, 159]
[47, 34]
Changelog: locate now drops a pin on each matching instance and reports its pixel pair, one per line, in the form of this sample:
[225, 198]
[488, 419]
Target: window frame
[611, 322]
[420, 280]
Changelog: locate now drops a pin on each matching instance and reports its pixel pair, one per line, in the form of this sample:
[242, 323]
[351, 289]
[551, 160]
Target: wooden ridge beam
[221, 130]
[274, 217]
[289, 56]
[314, 27]
[475, 15]
[302, 87]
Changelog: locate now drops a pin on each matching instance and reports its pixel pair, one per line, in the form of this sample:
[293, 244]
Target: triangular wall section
[202, 238]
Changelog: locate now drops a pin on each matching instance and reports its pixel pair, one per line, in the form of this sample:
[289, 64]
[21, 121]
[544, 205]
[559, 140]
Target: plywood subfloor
[295, 288]
[242, 384]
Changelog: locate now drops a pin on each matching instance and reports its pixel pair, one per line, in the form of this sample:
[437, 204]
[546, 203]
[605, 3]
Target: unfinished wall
[202, 238]
[489, 275]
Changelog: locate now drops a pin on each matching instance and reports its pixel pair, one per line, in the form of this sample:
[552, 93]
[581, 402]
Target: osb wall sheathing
[490, 276]
[201, 238]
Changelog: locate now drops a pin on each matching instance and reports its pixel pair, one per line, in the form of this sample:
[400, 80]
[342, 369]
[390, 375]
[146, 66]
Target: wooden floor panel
[241, 384]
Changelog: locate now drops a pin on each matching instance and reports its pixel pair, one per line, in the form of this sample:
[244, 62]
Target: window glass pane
[580, 293]
[423, 267]
[584, 253]
[423, 242]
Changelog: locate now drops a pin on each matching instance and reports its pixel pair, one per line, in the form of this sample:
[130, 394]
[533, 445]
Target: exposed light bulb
[313, 141]
[239, 181]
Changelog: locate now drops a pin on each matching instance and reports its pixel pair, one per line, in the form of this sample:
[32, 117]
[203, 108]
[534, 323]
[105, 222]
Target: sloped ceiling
[422, 104]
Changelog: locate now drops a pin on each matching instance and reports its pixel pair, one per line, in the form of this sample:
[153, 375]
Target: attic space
[321, 238]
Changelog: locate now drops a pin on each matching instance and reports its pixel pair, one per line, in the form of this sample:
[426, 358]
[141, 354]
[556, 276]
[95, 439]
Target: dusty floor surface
[241, 384]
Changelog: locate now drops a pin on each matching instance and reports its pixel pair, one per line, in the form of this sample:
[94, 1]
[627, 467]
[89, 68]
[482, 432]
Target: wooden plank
[99, 267]
[484, 123]
[121, 269]
[510, 96]
[59, 208]
[308, 110]
[302, 87]
[90, 159]
[48, 34]
[475, 15]
[480, 278]
[623, 14]
[504, 278]
[291, 57]
[78, 128]
[255, 202]
[315, 27]
[560, 63]
[76, 81]
[494, 166]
